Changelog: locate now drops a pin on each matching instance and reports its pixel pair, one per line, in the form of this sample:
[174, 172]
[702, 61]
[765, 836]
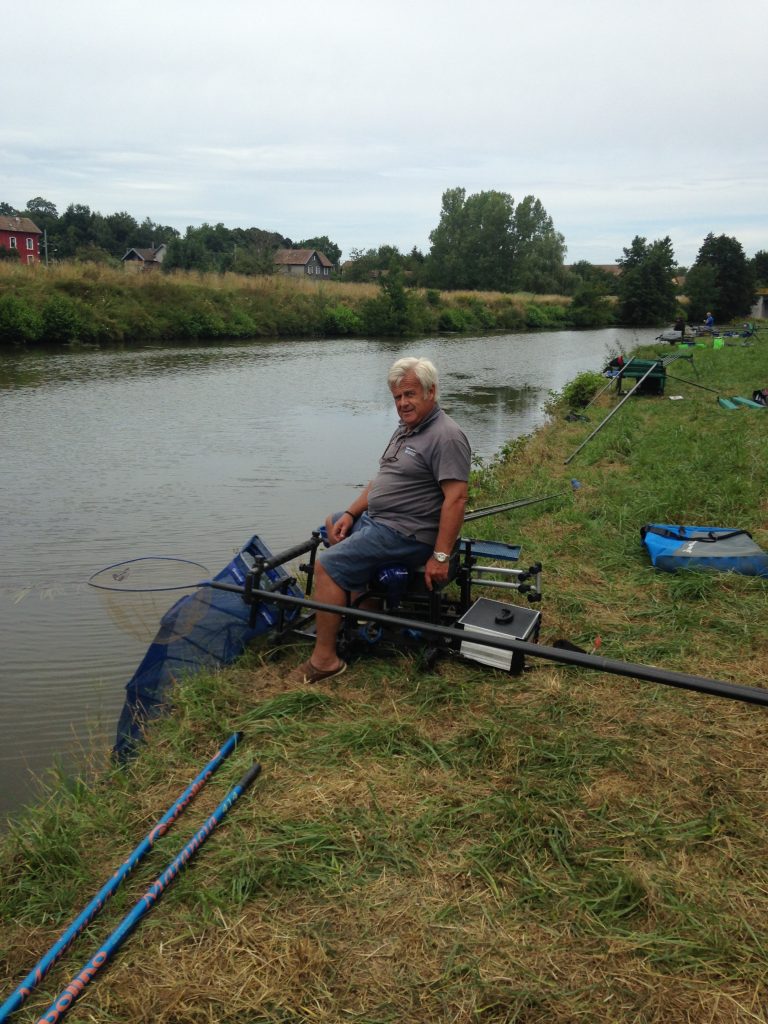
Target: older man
[411, 513]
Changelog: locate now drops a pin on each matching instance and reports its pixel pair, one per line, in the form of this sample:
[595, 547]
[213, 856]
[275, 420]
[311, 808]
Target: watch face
[441, 556]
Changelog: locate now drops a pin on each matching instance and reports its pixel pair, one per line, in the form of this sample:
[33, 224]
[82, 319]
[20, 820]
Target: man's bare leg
[326, 591]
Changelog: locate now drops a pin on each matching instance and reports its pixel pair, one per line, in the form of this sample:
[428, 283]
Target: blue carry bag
[718, 548]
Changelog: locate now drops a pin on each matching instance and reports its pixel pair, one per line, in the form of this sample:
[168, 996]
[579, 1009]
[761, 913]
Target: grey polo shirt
[406, 494]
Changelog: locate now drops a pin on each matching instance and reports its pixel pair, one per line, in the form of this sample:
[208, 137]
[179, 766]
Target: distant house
[144, 259]
[298, 262]
[20, 234]
[608, 268]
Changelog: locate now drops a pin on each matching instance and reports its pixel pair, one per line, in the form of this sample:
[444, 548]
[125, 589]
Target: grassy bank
[461, 846]
[96, 305]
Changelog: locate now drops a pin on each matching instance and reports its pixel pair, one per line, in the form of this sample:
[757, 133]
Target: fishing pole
[612, 412]
[67, 997]
[682, 380]
[39, 971]
[611, 381]
[491, 510]
[649, 673]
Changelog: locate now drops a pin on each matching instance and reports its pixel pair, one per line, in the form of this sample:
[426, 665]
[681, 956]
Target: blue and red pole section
[67, 997]
[39, 971]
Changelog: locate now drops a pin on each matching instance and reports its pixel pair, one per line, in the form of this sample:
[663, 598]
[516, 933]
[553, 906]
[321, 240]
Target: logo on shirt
[410, 451]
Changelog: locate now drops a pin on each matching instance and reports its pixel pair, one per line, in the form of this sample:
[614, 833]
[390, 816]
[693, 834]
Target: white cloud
[351, 120]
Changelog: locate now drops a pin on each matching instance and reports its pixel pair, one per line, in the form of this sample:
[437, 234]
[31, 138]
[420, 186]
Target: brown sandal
[306, 673]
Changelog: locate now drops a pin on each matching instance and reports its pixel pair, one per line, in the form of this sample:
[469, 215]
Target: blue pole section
[39, 971]
[67, 997]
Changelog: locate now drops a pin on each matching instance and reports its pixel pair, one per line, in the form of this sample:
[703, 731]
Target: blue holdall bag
[718, 548]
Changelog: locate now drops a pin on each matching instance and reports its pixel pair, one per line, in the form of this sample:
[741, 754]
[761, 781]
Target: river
[188, 451]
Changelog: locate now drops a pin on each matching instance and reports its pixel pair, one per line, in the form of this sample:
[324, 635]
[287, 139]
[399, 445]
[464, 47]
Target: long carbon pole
[605, 387]
[681, 680]
[67, 997]
[39, 971]
[491, 510]
[611, 413]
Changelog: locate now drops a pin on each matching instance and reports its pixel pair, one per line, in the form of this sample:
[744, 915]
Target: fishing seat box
[653, 383]
[505, 621]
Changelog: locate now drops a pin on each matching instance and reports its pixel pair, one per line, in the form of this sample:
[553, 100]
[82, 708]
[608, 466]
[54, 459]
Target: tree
[389, 313]
[759, 264]
[702, 291]
[485, 241]
[646, 285]
[584, 272]
[6, 210]
[538, 264]
[371, 264]
[324, 245]
[74, 230]
[39, 207]
[733, 276]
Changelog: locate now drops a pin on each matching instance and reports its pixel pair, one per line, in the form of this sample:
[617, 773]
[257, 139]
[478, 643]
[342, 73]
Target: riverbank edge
[575, 750]
[94, 305]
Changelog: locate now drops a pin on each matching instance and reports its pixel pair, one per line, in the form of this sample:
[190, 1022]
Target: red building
[21, 235]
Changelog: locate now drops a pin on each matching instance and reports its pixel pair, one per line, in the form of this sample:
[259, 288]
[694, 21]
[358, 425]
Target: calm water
[188, 452]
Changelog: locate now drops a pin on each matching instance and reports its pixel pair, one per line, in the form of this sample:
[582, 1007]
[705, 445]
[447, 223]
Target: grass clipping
[460, 845]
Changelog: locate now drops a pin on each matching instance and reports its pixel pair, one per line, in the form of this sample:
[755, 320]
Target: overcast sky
[624, 117]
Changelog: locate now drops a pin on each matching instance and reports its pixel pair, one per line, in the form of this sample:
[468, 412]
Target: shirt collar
[423, 423]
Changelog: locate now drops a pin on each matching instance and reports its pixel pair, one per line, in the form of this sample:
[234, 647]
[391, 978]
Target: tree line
[482, 242]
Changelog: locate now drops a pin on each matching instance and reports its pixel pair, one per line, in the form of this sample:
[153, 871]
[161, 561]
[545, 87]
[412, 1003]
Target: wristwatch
[440, 556]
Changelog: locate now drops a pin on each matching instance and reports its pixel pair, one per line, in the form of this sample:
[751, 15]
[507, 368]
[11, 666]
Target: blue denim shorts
[352, 563]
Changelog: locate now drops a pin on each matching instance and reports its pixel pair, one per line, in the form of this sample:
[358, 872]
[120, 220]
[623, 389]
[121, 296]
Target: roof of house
[148, 255]
[292, 257]
[19, 224]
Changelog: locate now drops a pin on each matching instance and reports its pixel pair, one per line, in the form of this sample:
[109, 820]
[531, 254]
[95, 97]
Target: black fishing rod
[491, 510]
[649, 673]
[612, 412]
[682, 380]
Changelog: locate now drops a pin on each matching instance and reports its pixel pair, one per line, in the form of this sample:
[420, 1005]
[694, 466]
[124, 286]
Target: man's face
[412, 402]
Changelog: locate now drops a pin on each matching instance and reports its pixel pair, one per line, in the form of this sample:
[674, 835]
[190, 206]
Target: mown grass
[459, 845]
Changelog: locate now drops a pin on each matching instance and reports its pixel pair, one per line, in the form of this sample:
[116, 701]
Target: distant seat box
[500, 620]
[653, 383]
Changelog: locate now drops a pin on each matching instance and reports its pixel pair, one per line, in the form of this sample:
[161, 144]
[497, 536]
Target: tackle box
[505, 621]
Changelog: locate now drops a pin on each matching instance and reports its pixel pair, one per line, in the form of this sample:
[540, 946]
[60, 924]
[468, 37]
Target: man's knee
[327, 586]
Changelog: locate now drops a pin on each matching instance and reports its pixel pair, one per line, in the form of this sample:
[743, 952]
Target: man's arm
[455, 494]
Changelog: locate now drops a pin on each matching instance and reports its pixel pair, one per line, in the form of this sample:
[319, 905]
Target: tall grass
[90, 304]
[458, 845]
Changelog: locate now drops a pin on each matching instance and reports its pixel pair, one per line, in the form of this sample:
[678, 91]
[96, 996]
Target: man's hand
[340, 529]
[451, 519]
[436, 572]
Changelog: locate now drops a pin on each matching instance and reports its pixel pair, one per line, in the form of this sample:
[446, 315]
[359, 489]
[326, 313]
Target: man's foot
[306, 673]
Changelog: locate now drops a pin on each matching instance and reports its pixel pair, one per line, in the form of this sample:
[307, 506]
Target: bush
[61, 320]
[340, 319]
[18, 323]
[452, 320]
[582, 389]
